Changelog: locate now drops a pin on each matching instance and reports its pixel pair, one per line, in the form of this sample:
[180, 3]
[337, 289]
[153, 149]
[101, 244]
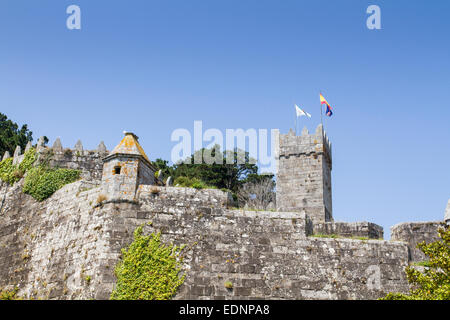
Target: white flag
[300, 112]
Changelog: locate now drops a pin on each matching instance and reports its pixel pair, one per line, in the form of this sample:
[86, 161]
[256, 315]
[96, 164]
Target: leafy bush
[192, 183]
[228, 169]
[12, 173]
[149, 270]
[434, 282]
[7, 171]
[199, 185]
[42, 182]
[28, 160]
[185, 181]
[9, 294]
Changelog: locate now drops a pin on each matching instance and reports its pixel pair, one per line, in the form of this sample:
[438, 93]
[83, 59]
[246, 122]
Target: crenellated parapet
[78, 150]
[18, 156]
[307, 144]
[6, 156]
[88, 161]
[447, 213]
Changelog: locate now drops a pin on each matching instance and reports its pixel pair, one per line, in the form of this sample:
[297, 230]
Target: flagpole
[296, 122]
[321, 120]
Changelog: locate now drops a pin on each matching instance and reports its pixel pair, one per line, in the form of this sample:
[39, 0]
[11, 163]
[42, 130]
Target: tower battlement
[304, 174]
[292, 145]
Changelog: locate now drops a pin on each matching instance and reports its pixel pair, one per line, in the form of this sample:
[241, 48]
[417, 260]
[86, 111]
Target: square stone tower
[304, 174]
[125, 168]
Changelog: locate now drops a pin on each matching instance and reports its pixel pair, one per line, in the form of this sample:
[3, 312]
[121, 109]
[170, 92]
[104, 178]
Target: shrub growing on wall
[149, 270]
[192, 183]
[6, 170]
[40, 182]
[9, 294]
[434, 282]
[12, 173]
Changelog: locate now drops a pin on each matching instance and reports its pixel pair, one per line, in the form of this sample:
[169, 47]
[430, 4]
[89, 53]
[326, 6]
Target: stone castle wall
[270, 255]
[412, 233]
[66, 247]
[88, 162]
[49, 249]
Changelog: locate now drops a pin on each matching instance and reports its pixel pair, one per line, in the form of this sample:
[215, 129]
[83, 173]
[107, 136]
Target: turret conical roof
[130, 145]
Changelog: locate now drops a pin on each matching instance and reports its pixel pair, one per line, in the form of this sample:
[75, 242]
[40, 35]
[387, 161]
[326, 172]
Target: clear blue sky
[154, 66]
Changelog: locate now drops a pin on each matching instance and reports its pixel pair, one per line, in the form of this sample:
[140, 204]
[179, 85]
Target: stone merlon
[447, 213]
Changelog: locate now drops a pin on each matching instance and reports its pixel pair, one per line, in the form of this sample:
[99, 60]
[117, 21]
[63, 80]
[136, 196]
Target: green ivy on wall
[149, 270]
[40, 181]
[11, 173]
[9, 294]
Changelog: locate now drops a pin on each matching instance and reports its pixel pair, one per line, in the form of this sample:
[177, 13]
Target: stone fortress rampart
[66, 247]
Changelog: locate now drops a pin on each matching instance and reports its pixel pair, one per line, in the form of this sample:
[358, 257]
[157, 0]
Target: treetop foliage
[11, 135]
[230, 175]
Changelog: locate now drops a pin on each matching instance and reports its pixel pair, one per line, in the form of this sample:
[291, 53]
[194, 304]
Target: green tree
[163, 165]
[221, 173]
[214, 171]
[11, 135]
[434, 282]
